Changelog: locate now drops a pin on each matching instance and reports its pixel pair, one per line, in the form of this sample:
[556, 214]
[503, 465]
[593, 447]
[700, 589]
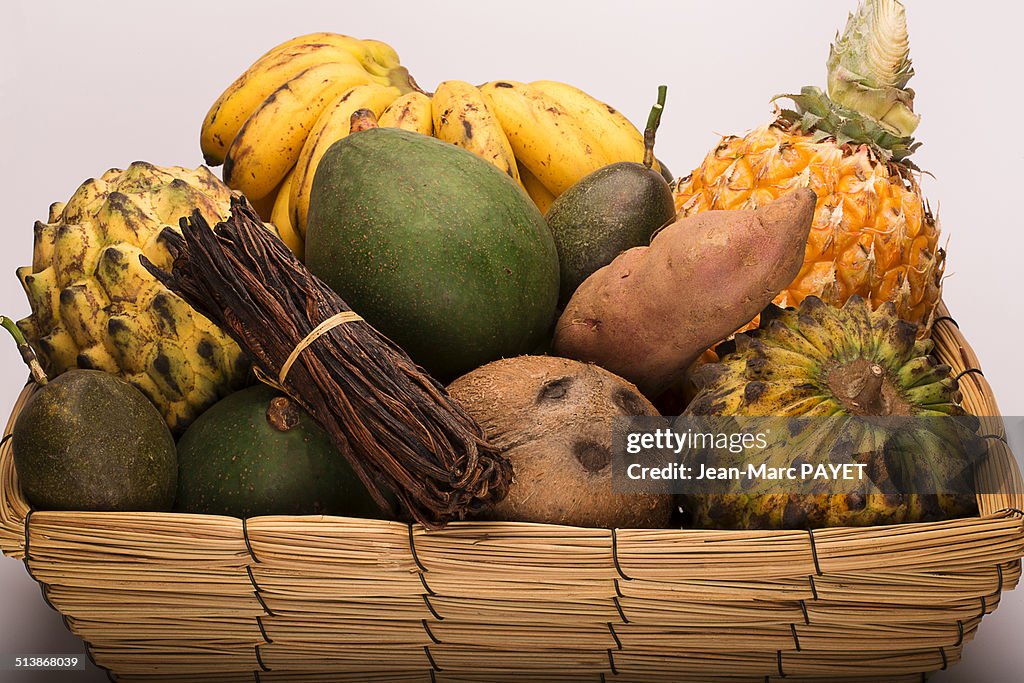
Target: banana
[265, 206]
[332, 126]
[243, 97]
[377, 57]
[281, 216]
[463, 118]
[545, 138]
[271, 139]
[381, 53]
[607, 126]
[540, 195]
[411, 111]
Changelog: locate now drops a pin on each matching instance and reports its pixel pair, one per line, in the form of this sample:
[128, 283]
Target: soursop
[843, 385]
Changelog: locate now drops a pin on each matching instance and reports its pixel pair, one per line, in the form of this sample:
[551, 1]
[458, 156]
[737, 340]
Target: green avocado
[255, 453]
[666, 173]
[90, 441]
[435, 247]
[615, 208]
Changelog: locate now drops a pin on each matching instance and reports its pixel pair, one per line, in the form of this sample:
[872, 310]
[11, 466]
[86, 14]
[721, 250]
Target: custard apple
[95, 306]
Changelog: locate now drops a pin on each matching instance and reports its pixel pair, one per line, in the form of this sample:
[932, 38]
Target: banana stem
[27, 354]
[653, 121]
[362, 119]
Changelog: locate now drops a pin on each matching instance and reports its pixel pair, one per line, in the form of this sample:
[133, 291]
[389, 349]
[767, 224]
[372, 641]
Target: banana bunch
[546, 135]
[271, 127]
[272, 124]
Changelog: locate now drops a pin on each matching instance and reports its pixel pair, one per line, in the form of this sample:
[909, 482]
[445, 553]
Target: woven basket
[163, 597]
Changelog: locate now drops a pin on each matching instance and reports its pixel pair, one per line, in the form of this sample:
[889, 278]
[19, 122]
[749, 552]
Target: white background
[88, 86]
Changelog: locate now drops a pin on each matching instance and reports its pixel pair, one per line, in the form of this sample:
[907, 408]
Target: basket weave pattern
[167, 597]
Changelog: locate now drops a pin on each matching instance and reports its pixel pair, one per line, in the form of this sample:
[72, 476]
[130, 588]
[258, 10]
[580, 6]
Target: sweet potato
[653, 310]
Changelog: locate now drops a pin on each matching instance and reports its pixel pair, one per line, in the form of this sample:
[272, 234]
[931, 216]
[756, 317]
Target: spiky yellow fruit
[95, 306]
[873, 233]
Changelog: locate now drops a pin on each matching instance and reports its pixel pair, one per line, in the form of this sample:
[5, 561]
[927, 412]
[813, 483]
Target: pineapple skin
[95, 306]
[873, 233]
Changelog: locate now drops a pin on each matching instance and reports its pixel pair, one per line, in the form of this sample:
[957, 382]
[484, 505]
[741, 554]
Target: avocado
[435, 247]
[666, 173]
[256, 452]
[615, 208]
[90, 441]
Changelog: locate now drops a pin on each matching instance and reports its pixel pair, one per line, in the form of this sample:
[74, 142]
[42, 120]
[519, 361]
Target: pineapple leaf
[817, 113]
[869, 67]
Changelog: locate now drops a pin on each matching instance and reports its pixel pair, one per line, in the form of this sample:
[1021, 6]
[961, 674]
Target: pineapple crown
[867, 100]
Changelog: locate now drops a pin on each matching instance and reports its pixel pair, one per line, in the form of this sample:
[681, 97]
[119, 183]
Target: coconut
[552, 418]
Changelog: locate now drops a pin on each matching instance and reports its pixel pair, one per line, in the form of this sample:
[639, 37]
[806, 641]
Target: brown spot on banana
[362, 119]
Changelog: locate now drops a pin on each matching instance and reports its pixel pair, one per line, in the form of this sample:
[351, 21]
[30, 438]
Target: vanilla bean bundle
[404, 431]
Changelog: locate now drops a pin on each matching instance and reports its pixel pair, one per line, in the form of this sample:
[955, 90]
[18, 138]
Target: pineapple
[873, 233]
[95, 306]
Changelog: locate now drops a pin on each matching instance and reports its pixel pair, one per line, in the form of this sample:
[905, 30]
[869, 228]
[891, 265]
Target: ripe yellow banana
[377, 57]
[463, 118]
[281, 217]
[545, 138]
[332, 126]
[540, 195]
[381, 53]
[243, 97]
[366, 51]
[411, 111]
[607, 126]
[264, 206]
[269, 143]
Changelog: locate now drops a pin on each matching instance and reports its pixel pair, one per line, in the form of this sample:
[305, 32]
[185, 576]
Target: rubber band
[323, 328]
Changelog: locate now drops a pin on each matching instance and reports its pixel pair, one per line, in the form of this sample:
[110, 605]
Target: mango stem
[653, 121]
[27, 354]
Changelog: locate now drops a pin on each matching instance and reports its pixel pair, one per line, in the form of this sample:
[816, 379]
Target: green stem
[653, 121]
[27, 354]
